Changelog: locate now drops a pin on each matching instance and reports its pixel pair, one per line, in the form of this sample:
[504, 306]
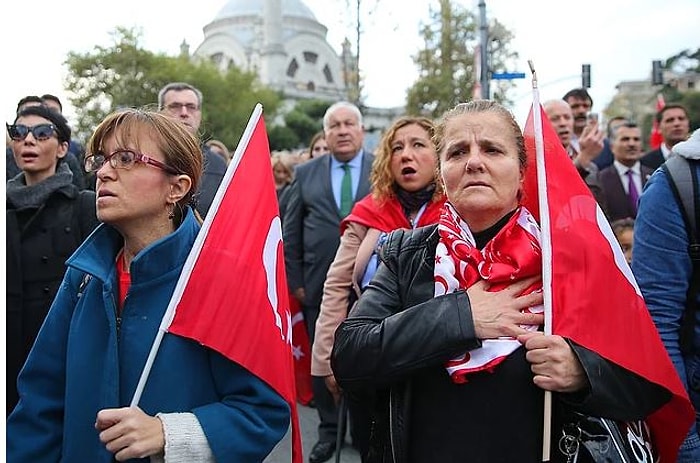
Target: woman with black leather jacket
[461, 371]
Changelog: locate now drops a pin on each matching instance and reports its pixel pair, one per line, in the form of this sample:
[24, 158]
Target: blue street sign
[507, 75]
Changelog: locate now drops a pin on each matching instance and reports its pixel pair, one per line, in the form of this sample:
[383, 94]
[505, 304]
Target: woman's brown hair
[180, 148]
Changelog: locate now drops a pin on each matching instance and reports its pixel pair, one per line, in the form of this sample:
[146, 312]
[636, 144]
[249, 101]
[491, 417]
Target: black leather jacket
[398, 333]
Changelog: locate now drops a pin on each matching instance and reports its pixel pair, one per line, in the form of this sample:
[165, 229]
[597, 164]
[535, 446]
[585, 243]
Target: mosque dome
[288, 49]
[237, 8]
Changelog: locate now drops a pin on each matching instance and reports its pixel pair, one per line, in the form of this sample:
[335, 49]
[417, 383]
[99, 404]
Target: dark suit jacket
[213, 174]
[312, 227]
[653, 159]
[605, 158]
[616, 200]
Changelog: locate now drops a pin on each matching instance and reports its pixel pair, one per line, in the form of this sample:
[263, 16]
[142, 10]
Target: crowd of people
[384, 254]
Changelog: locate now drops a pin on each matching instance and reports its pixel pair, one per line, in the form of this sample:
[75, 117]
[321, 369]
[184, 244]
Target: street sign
[507, 75]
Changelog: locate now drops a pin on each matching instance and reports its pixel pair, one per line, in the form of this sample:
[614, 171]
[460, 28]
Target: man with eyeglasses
[183, 102]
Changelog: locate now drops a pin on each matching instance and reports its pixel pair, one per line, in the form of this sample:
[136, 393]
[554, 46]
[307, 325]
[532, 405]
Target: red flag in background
[591, 281]
[655, 138]
[245, 317]
[301, 349]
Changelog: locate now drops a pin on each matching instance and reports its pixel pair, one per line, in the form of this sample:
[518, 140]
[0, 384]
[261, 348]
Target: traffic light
[657, 73]
[586, 75]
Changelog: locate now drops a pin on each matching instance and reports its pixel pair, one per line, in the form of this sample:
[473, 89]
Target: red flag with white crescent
[591, 281]
[235, 300]
[301, 350]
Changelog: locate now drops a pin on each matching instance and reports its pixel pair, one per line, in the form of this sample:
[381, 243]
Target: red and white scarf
[513, 254]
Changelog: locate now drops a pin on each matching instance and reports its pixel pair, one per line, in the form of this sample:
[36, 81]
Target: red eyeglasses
[124, 159]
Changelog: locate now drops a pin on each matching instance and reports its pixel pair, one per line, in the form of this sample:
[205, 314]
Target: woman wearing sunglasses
[47, 219]
[80, 378]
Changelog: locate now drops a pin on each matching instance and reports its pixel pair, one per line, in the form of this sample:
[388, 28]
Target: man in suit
[605, 158]
[183, 102]
[317, 200]
[674, 126]
[623, 181]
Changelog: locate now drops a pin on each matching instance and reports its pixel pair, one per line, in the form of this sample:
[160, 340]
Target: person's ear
[62, 149]
[180, 185]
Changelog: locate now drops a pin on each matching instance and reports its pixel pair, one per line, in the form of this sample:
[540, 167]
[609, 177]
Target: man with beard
[581, 103]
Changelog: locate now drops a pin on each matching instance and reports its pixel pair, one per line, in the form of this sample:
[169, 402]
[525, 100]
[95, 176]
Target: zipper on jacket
[117, 315]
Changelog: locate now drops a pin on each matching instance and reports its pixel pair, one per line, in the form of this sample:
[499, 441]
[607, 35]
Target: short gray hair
[177, 87]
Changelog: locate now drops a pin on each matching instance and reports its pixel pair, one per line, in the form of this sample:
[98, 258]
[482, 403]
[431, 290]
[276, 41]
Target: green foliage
[301, 124]
[685, 61]
[126, 75]
[315, 109]
[282, 138]
[446, 67]
[691, 101]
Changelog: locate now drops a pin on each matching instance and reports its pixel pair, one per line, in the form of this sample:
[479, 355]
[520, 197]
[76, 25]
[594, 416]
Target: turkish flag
[302, 353]
[234, 298]
[595, 300]
[655, 137]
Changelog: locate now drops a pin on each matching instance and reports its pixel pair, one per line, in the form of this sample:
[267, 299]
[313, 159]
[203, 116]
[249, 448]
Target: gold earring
[171, 212]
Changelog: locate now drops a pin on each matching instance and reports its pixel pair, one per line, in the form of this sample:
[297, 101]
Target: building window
[327, 73]
[311, 86]
[216, 58]
[292, 68]
[310, 57]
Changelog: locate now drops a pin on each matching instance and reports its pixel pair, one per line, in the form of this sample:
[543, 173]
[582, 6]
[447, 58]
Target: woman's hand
[130, 433]
[499, 313]
[553, 363]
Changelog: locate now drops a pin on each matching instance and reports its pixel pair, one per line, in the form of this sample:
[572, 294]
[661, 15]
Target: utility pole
[356, 97]
[484, 50]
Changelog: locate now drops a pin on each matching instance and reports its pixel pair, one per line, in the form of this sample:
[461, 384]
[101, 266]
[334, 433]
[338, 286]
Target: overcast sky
[619, 38]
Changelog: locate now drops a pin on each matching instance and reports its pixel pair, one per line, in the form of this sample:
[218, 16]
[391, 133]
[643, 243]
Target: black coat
[397, 340]
[39, 240]
[212, 176]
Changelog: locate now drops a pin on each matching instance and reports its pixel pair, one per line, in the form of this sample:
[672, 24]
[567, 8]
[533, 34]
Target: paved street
[308, 421]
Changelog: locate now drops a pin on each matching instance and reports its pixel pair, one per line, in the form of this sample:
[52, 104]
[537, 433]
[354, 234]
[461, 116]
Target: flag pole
[546, 244]
[192, 257]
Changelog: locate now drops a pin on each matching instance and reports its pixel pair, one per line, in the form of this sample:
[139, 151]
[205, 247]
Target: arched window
[327, 73]
[292, 68]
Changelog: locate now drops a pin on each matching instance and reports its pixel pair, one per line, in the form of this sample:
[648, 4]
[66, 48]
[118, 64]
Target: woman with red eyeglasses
[47, 219]
[80, 378]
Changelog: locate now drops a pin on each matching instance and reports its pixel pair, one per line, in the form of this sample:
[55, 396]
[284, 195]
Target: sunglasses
[123, 159]
[19, 132]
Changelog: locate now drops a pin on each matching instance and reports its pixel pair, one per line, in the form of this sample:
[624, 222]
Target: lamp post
[484, 51]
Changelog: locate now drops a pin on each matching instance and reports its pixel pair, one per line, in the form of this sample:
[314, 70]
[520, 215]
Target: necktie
[632, 190]
[346, 191]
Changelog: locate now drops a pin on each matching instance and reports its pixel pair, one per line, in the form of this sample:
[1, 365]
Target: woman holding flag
[447, 331]
[78, 388]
